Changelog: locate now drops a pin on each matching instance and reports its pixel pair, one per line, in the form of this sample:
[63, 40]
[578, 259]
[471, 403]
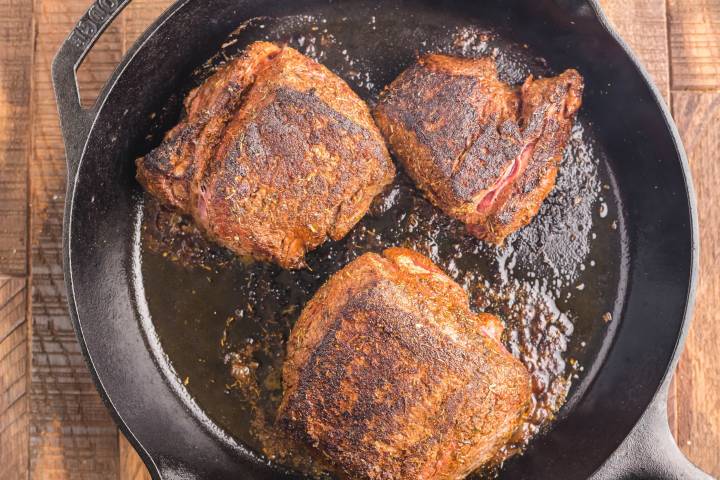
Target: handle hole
[113, 44]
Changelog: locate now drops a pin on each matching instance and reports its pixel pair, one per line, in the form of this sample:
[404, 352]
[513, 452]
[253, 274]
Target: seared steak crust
[391, 376]
[484, 152]
[275, 154]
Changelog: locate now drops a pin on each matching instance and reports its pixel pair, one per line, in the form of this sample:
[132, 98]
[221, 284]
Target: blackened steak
[484, 152]
[390, 375]
[275, 153]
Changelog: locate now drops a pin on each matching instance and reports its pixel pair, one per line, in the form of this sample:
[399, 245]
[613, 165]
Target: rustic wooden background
[53, 425]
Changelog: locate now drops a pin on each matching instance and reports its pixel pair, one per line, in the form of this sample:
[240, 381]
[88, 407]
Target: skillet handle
[650, 450]
[75, 121]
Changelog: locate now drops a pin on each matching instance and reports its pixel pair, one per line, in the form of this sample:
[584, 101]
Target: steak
[482, 151]
[274, 154]
[390, 375]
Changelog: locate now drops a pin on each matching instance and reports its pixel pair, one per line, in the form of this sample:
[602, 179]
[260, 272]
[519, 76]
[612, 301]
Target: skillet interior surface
[223, 322]
[577, 262]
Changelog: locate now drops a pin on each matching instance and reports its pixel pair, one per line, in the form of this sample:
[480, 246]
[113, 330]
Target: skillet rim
[685, 167]
[661, 392]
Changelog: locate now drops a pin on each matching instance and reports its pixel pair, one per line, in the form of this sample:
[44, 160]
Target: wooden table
[53, 425]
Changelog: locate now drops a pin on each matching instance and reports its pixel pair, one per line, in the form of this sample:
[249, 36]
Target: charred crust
[430, 123]
[456, 129]
[283, 129]
[264, 159]
[394, 380]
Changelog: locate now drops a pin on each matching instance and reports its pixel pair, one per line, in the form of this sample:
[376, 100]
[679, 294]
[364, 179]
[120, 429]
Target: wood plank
[72, 434]
[16, 55]
[15, 60]
[698, 375]
[643, 25]
[695, 43]
[14, 418]
[131, 465]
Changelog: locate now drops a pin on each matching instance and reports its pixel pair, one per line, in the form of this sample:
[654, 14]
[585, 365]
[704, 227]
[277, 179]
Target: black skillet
[616, 427]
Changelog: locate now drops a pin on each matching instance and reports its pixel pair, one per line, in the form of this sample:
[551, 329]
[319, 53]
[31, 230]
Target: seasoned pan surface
[559, 283]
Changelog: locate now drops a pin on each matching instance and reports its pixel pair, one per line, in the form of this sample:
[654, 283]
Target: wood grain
[72, 435]
[131, 465]
[643, 25]
[16, 54]
[14, 418]
[698, 375]
[15, 62]
[695, 43]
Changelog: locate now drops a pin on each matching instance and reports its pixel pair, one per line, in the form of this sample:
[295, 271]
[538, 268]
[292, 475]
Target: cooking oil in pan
[223, 321]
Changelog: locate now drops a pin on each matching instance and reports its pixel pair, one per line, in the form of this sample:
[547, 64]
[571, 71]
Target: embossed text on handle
[93, 20]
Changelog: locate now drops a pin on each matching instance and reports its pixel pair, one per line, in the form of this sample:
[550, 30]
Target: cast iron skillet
[617, 429]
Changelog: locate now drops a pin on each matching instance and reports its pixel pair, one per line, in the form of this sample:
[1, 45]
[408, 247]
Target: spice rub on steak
[484, 152]
[274, 154]
[390, 375]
